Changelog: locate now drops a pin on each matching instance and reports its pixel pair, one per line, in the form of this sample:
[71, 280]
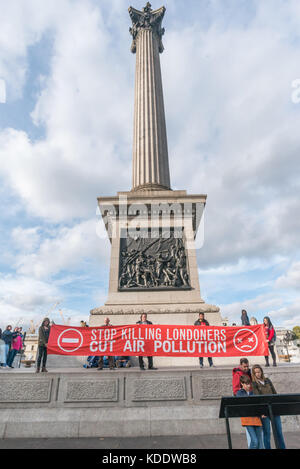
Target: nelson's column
[152, 228]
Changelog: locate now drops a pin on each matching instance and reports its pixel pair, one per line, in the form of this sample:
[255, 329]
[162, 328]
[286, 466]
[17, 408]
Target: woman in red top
[270, 335]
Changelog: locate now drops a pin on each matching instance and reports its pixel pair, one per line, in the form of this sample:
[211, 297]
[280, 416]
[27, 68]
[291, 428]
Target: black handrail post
[275, 434]
[228, 429]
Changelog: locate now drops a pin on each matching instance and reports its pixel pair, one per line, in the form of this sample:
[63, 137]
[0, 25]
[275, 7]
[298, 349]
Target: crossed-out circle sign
[70, 340]
[245, 340]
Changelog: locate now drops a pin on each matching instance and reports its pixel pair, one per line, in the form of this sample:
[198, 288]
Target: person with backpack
[262, 385]
[271, 338]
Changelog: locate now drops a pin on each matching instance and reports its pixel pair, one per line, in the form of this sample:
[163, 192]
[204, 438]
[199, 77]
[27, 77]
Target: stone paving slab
[171, 442]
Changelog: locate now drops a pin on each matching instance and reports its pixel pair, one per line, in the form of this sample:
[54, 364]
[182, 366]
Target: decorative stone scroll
[163, 389]
[92, 390]
[25, 390]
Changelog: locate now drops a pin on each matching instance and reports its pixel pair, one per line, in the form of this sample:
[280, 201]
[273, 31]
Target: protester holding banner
[143, 320]
[148, 340]
[203, 322]
[44, 333]
[253, 425]
[111, 360]
[262, 385]
[271, 337]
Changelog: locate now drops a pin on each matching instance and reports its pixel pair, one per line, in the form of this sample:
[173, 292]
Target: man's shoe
[37, 370]
[100, 368]
[201, 366]
[152, 368]
[142, 368]
[44, 370]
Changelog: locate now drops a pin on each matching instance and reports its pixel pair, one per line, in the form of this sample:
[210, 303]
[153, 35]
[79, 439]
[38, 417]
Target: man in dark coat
[44, 333]
[203, 322]
[143, 320]
[111, 360]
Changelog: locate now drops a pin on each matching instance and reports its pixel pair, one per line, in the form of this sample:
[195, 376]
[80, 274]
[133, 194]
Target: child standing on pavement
[253, 424]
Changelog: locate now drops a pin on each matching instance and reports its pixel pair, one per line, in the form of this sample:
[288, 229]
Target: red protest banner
[158, 340]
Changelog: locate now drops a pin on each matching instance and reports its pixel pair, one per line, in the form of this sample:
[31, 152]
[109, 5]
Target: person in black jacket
[203, 322]
[244, 318]
[44, 333]
[111, 359]
[143, 320]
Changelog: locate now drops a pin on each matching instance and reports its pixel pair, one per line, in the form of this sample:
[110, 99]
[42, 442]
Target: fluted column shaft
[150, 148]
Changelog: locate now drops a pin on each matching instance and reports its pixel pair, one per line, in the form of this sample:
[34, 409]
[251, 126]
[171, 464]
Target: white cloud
[67, 250]
[26, 298]
[25, 239]
[291, 279]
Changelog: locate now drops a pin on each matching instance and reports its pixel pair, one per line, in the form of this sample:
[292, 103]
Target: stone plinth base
[90, 403]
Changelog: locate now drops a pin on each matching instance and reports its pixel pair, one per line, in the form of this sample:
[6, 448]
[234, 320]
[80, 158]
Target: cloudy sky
[231, 77]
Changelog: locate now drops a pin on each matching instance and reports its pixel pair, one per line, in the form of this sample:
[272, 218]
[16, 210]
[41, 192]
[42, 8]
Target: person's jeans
[256, 437]
[210, 362]
[267, 431]
[6, 351]
[11, 357]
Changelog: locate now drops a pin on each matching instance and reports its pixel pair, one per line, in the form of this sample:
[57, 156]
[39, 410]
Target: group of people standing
[246, 382]
[11, 342]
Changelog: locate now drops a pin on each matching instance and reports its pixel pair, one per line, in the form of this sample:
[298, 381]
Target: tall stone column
[150, 148]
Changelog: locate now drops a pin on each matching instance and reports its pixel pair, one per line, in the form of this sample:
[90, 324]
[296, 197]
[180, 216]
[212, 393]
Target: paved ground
[167, 442]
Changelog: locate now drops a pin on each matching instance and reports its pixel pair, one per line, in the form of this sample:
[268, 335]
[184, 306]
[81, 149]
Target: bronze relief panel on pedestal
[153, 260]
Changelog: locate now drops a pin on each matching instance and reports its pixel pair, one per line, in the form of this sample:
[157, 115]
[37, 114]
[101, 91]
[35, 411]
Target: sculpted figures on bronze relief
[153, 263]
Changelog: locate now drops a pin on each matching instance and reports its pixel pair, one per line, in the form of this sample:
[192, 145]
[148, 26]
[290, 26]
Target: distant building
[286, 352]
[30, 347]
[224, 322]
